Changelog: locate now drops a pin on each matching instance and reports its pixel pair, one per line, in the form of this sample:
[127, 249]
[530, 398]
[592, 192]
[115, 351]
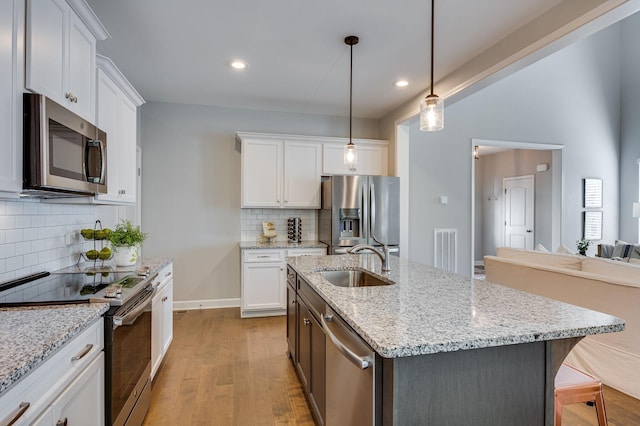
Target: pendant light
[432, 107]
[350, 150]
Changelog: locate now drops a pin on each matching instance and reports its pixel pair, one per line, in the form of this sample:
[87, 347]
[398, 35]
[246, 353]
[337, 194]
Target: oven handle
[130, 317]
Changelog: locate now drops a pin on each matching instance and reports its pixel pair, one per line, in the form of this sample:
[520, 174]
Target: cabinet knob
[306, 321]
[293, 302]
[277, 201]
[62, 422]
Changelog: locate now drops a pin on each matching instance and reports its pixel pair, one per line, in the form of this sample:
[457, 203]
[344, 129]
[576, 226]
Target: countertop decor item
[100, 252]
[126, 240]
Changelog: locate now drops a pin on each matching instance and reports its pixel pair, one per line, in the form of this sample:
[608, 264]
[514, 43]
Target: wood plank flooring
[223, 370]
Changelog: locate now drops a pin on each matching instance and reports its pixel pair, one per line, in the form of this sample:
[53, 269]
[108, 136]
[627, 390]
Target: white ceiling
[179, 51]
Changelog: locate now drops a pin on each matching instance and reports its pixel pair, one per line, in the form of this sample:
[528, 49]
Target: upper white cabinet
[117, 115]
[12, 71]
[280, 173]
[372, 158]
[61, 53]
[302, 172]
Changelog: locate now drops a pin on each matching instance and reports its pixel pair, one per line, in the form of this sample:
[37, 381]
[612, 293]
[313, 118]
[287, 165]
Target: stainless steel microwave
[63, 154]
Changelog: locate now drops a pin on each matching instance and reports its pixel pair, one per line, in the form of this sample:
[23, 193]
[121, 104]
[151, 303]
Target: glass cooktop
[70, 287]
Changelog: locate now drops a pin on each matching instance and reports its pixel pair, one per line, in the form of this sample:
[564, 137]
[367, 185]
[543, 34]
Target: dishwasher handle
[361, 362]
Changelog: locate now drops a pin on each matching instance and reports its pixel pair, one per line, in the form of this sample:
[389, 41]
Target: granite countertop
[154, 263]
[429, 311]
[252, 245]
[29, 335]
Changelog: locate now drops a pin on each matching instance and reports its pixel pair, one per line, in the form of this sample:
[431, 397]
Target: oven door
[129, 361]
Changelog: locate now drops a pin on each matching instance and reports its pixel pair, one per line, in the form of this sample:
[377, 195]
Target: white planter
[126, 256]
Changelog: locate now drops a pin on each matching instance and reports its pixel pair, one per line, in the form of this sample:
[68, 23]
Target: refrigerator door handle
[372, 224]
[372, 209]
[364, 227]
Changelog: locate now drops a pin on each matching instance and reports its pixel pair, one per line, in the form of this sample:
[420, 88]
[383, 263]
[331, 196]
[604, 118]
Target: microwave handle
[99, 145]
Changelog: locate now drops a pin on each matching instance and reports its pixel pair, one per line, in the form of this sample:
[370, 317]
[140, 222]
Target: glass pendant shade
[350, 156]
[431, 113]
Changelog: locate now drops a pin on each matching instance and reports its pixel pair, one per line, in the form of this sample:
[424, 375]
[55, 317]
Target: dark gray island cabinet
[432, 348]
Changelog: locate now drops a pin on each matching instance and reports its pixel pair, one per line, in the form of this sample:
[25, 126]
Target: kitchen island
[450, 349]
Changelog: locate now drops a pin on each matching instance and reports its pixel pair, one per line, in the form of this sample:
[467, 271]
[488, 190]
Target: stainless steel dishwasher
[351, 375]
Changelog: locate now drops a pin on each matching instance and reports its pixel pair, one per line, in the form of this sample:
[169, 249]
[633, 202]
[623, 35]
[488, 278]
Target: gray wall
[630, 143]
[191, 187]
[570, 98]
[490, 171]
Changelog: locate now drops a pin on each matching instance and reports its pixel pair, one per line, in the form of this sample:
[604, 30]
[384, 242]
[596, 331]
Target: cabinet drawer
[164, 275]
[291, 276]
[306, 252]
[314, 301]
[263, 256]
[47, 380]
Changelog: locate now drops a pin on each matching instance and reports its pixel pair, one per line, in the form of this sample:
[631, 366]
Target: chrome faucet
[382, 254]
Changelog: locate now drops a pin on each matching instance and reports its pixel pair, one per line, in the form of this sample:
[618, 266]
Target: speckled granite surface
[154, 263]
[29, 335]
[245, 245]
[429, 311]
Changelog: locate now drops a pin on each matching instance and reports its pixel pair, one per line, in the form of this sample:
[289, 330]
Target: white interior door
[519, 212]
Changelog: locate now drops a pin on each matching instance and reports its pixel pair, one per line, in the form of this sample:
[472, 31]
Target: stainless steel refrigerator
[357, 208]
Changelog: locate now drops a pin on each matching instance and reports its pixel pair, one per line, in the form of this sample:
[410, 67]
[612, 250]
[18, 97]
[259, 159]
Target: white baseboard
[189, 305]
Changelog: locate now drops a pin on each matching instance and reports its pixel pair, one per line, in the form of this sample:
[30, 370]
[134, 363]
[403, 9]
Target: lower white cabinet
[161, 317]
[69, 384]
[80, 402]
[264, 280]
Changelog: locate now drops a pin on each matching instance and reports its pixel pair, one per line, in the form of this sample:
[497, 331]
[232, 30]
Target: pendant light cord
[350, 95]
[432, 36]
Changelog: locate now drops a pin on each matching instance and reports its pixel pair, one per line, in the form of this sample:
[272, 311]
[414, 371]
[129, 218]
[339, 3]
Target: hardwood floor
[223, 370]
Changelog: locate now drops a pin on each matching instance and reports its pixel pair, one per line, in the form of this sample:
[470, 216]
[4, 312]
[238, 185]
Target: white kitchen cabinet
[117, 115]
[372, 159]
[264, 280]
[280, 173]
[12, 71]
[261, 173]
[61, 53]
[302, 173]
[69, 383]
[82, 402]
[161, 317]
[263, 290]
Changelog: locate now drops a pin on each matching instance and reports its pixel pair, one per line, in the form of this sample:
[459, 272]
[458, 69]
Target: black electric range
[115, 288]
[127, 328]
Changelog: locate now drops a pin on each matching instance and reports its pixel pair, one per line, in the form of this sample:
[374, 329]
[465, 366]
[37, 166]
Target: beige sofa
[600, 284]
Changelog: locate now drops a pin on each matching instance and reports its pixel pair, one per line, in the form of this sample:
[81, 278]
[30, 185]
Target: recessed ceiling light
[239, 65]
[401, 83]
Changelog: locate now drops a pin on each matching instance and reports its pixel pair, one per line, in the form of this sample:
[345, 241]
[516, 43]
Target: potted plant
[583, 246]
[126, 240]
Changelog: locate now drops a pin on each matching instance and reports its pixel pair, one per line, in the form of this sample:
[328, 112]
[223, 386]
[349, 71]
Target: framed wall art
[592, 193]
[592, 225]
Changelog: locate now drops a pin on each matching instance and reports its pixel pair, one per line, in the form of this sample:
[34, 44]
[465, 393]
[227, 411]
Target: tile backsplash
[37, 236]
[251, 223]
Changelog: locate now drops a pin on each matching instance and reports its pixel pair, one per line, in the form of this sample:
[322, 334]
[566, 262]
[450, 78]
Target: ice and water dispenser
[350, 223]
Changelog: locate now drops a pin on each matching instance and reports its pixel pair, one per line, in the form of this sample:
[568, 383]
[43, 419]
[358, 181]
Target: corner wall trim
[189, 305]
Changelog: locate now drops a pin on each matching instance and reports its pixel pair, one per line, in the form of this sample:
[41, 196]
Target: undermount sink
[353, 278]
